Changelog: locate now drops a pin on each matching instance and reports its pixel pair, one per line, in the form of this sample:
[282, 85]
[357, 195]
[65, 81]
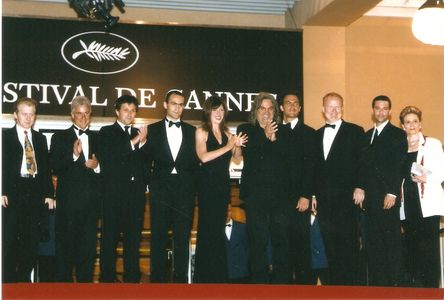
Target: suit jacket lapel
[338, 136]
[182, 145]
[18, 146]
[164, 139]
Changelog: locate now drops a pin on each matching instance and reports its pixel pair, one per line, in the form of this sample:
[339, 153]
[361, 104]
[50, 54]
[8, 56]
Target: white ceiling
[395, 8]
[242, 6]
[392, 8]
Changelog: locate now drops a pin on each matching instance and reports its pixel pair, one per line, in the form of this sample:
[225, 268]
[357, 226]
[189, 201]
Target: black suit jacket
[382, 165]
[119, 163]
[160, 159]
[12, 156]
[76, 184]
[301, 161]
[337, 176]
[237, 251]
[264, 171]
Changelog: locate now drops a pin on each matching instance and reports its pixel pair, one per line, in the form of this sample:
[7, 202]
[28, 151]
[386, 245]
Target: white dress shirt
[379, 129]
[293, 123]
[21, 137]
[329, 137]
[85, 143]
[228, 229]
[174, 136]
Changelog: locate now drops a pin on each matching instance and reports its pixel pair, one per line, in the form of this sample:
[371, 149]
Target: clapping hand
[270, 130]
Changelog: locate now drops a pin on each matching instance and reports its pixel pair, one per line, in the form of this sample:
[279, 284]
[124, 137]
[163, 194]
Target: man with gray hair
[73, 161]
[264, 191]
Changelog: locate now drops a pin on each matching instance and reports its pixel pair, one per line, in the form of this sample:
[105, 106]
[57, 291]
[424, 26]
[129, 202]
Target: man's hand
[358, 196]
[77, 148]
[389, 201]
[92, 162]
[303, 204]
[270, 130]
[419, 178]
[5, 201]
[51, 203]
[141, 136]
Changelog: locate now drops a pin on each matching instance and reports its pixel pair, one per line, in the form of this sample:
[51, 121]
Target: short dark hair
[172, 92]
[288, 93]
[209, 105]
[26, 101]
[382, 98]
[127, 99]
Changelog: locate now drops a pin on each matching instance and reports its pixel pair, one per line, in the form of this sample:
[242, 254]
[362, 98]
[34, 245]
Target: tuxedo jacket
[382, 165]
[161, 162]
[12, 156]
[119, 163]
[337, 176]
[237, 251]
[76, 184]
[264, 172]
[301, 161]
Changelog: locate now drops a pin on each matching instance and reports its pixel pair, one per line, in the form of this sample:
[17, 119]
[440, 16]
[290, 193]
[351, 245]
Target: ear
[403, 127]
[280, 106]
[15, 115]
[165, 104]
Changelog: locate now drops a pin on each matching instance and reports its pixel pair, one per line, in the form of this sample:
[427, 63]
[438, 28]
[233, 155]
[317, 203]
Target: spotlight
[98, 9]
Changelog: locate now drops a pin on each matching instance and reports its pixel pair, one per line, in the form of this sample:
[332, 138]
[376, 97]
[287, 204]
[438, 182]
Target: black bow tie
[330, 125]
[80, 131]
[171, 123]
[228, 225]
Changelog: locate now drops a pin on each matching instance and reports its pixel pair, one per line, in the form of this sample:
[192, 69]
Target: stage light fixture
[98, 9]
[428, 23]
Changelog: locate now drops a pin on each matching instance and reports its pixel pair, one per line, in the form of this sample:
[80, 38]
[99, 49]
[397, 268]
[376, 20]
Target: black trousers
[384, 247]
[76, 235]
[171, 208]
[21, 231]
[300, 250]
[339, 231]
[268, 223]
[423, 258]
[122, 213]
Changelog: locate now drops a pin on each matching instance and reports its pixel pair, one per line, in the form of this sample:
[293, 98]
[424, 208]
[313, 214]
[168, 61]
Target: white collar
[293, 123]
[381, 126]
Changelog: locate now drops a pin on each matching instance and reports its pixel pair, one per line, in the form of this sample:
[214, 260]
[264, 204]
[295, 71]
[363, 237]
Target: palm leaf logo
[100, 52]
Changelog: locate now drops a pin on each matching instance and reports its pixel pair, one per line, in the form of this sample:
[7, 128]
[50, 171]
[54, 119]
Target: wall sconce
[428, 23]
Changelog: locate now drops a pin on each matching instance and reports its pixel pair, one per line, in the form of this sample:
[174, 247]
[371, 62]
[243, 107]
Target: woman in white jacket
[422, 200]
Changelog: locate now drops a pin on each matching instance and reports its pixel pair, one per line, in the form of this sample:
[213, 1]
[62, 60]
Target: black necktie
[171, 123]
[330, 125]
[375, 136]
[228, 225]
[127, 130]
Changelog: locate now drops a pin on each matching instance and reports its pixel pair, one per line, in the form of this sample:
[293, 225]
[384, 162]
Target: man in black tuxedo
[122, 170]
[264, 190]
[301, 170]
[27, 193]
[338, 190]
[386, 149]
[173, 162]
[74, 163]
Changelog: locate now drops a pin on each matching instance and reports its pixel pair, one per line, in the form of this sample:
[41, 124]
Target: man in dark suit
[301, 170]
[386, 148]
[27, 193]
[74, 163]
[338, 191]
[123, 188]
[236, 246]
[264, 191]
[170, 150]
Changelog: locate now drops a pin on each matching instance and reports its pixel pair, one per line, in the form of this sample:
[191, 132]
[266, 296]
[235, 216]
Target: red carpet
[211, 291]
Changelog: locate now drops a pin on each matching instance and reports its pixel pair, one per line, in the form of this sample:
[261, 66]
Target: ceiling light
[428, 23]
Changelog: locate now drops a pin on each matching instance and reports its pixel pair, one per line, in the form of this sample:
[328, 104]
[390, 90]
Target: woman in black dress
[215, 146]
[423, 201]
